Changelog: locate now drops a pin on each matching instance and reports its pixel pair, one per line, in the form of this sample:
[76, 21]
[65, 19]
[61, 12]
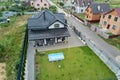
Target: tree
[44, 8]
[0, 14]
[53, 9]
[61, 3]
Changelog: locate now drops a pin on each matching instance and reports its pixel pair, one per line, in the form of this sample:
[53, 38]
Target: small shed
[55, 56]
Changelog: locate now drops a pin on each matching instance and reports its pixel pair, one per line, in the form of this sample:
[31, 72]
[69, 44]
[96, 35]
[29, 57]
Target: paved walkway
[73, 41]
[29, 70]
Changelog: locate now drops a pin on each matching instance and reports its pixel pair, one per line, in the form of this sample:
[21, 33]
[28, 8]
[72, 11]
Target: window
[87, 10]
[32, 3]
[45, 4]
[105, 22]
[109, 17]
[81, 10]
[114, 27]
[116, 18]
[56, 25]
[87, 16]
[99, 16]
[103, 16]
[38, 4]
[89, 3]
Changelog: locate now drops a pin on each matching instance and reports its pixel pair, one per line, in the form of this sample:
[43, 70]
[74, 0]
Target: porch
[50, 41]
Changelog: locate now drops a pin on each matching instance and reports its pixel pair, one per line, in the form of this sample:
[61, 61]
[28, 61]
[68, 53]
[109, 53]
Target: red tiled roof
[115, 9]
[118, 11]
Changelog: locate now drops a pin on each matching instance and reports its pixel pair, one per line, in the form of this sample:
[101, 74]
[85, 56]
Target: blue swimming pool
[56, 56]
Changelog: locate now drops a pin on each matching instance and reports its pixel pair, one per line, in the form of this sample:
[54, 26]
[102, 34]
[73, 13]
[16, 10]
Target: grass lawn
[54, 0]
[80, 63]
[11, 40]
[95, 24]
[114, 41]
[80, 15]
[6, 3]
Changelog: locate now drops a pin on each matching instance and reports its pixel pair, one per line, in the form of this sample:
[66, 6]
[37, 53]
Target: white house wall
[79, 9]
[60, 25]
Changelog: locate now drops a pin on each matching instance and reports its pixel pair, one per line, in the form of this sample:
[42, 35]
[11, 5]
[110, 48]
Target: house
[111, 21]
[93, 12]
[39, 4]
[68, 3]
[81, 5]
[46, 28]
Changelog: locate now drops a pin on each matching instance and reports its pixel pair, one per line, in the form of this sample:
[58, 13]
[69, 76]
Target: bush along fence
[103, 55]
[20, 74]
[78, 18]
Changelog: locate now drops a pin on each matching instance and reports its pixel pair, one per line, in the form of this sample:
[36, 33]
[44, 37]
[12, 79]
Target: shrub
[53, 9]
[61, 3]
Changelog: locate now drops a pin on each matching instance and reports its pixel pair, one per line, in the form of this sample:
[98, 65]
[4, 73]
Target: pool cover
[55, 56]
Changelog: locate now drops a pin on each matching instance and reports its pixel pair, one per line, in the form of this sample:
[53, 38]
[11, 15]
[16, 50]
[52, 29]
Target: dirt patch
[2, 71]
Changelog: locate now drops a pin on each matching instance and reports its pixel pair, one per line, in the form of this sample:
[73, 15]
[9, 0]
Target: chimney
[44, 15]
[98, 7]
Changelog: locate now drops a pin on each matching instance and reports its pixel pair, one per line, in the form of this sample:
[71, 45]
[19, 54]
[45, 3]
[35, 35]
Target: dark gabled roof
[99, 8]
[50, 33]
[118, 11]
[44, 19]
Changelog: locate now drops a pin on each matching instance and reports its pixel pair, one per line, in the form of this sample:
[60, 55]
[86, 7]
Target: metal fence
[23, 58]
[104, 56]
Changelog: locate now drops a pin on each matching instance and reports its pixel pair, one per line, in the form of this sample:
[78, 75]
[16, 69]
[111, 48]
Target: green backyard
[80, 63]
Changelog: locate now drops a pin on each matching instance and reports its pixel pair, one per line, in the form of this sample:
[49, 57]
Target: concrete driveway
[74, 41]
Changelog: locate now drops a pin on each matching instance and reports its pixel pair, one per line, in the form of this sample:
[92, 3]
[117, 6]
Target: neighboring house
[46, 28]
[93, 12]
[81, 5]
[68, 3]
[39, 4]
[111, 21]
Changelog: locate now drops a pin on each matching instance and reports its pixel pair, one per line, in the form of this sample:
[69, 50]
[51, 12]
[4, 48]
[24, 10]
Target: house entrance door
[108, 26]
